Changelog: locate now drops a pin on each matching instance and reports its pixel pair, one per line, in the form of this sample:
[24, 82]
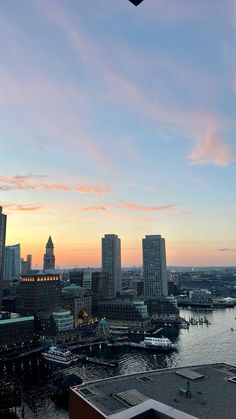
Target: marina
[196, 345]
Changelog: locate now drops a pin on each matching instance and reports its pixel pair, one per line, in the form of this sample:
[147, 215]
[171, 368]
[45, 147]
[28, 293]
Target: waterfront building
[111, 263]
[12, 262]
[201, 298]
[49, 258]
[39, 293]
[63, 320]
[16, 330]
[3, 226]
[163, 309]
[203, 391]
[154, 266]
[127, 311]
[78, 301]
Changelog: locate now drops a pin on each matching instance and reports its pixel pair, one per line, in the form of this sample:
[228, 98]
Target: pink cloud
[97, 190]
[95, 208]
[212, 151]
[132, 206]
[23, 207]
[31, 182]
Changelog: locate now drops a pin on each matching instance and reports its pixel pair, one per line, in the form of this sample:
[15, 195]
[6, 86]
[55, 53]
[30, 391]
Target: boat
[59, 356]
[157, 343]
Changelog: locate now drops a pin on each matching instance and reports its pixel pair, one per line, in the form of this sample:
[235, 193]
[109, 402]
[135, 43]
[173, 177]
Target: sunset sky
[119, 119]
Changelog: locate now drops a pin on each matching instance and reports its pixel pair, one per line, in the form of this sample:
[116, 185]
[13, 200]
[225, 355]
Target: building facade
[3, 226]
[111, 263]
[49, 258]
[15, 331]
[63, 320]
[78, 301]
[154, 266]
[127, 311]
[12, 262]
[39, 293]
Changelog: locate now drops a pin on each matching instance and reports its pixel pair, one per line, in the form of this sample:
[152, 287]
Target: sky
[119, 119]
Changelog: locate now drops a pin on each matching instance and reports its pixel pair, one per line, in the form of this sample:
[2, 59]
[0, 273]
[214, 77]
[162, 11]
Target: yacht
[59, 356]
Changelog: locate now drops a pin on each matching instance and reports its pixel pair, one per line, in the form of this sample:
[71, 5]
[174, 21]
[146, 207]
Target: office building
[78, 301]
[203, 391]
[98, 288]
[111, 263]
[26, 265]
[49, 258]
[63, 320]
[127, 311]
[16, 330]
[76, 277]
[39, 293]
[12, 262]
[3, 226]
[154, 266]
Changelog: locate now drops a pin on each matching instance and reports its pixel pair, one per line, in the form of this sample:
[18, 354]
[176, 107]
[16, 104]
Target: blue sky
[119, 119]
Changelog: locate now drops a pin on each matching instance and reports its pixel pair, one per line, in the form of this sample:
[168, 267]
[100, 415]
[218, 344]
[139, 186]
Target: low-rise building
[16, 330]
[63, 319]
[204, 391]
[128, 311]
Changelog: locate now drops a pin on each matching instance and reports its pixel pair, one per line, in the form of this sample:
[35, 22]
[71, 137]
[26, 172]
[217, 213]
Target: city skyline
[119, 119]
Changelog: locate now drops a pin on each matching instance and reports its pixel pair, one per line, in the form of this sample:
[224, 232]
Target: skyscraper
[3, 225]
[12, 262]
[29, 263]
[154, 266]
[111, 263]
[49, 258]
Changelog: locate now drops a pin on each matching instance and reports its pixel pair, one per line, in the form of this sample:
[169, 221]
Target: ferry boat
[158, 343]
[59, 356]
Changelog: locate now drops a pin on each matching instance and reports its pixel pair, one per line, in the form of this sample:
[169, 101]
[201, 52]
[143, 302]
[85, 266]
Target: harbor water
[199, 344]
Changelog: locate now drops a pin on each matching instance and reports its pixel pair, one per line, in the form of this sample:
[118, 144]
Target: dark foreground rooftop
[206, 391]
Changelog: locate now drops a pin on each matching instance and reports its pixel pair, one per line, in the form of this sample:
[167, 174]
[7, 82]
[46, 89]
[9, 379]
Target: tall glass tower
[154, 266]
[111, 263]
[3, 226]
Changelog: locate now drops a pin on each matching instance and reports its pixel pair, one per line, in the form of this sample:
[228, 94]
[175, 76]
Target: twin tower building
[154, 265]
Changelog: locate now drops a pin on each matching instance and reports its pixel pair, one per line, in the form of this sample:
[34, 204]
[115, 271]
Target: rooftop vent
[190, 375]
[86, 392]
[130, 398]
[144, 379]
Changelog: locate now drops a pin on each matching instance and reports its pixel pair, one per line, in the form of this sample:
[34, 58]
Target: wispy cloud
[34, 182]
[212, 151]
[130, 206]
[138, 207]
[227, 250]
[95, 208]
[23, 207]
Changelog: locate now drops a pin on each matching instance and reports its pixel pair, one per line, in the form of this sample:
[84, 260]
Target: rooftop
[206, 391]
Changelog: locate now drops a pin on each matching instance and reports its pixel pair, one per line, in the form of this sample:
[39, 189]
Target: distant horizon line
[140, 266]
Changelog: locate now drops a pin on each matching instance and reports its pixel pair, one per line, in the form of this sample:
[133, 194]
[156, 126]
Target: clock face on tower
[136, 2]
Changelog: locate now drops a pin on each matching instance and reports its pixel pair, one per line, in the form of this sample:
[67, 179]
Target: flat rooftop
[211, 391]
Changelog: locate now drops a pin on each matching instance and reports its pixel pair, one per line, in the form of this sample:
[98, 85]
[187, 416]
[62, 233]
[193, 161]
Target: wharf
[97, 361]
[10, 358]
[142, 346]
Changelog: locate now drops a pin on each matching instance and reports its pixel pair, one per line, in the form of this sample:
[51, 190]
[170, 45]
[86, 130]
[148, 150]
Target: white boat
[59, 356]
[158, 343]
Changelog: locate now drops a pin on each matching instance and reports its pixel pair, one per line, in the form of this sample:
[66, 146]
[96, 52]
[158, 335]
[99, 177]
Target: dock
[97, 361]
